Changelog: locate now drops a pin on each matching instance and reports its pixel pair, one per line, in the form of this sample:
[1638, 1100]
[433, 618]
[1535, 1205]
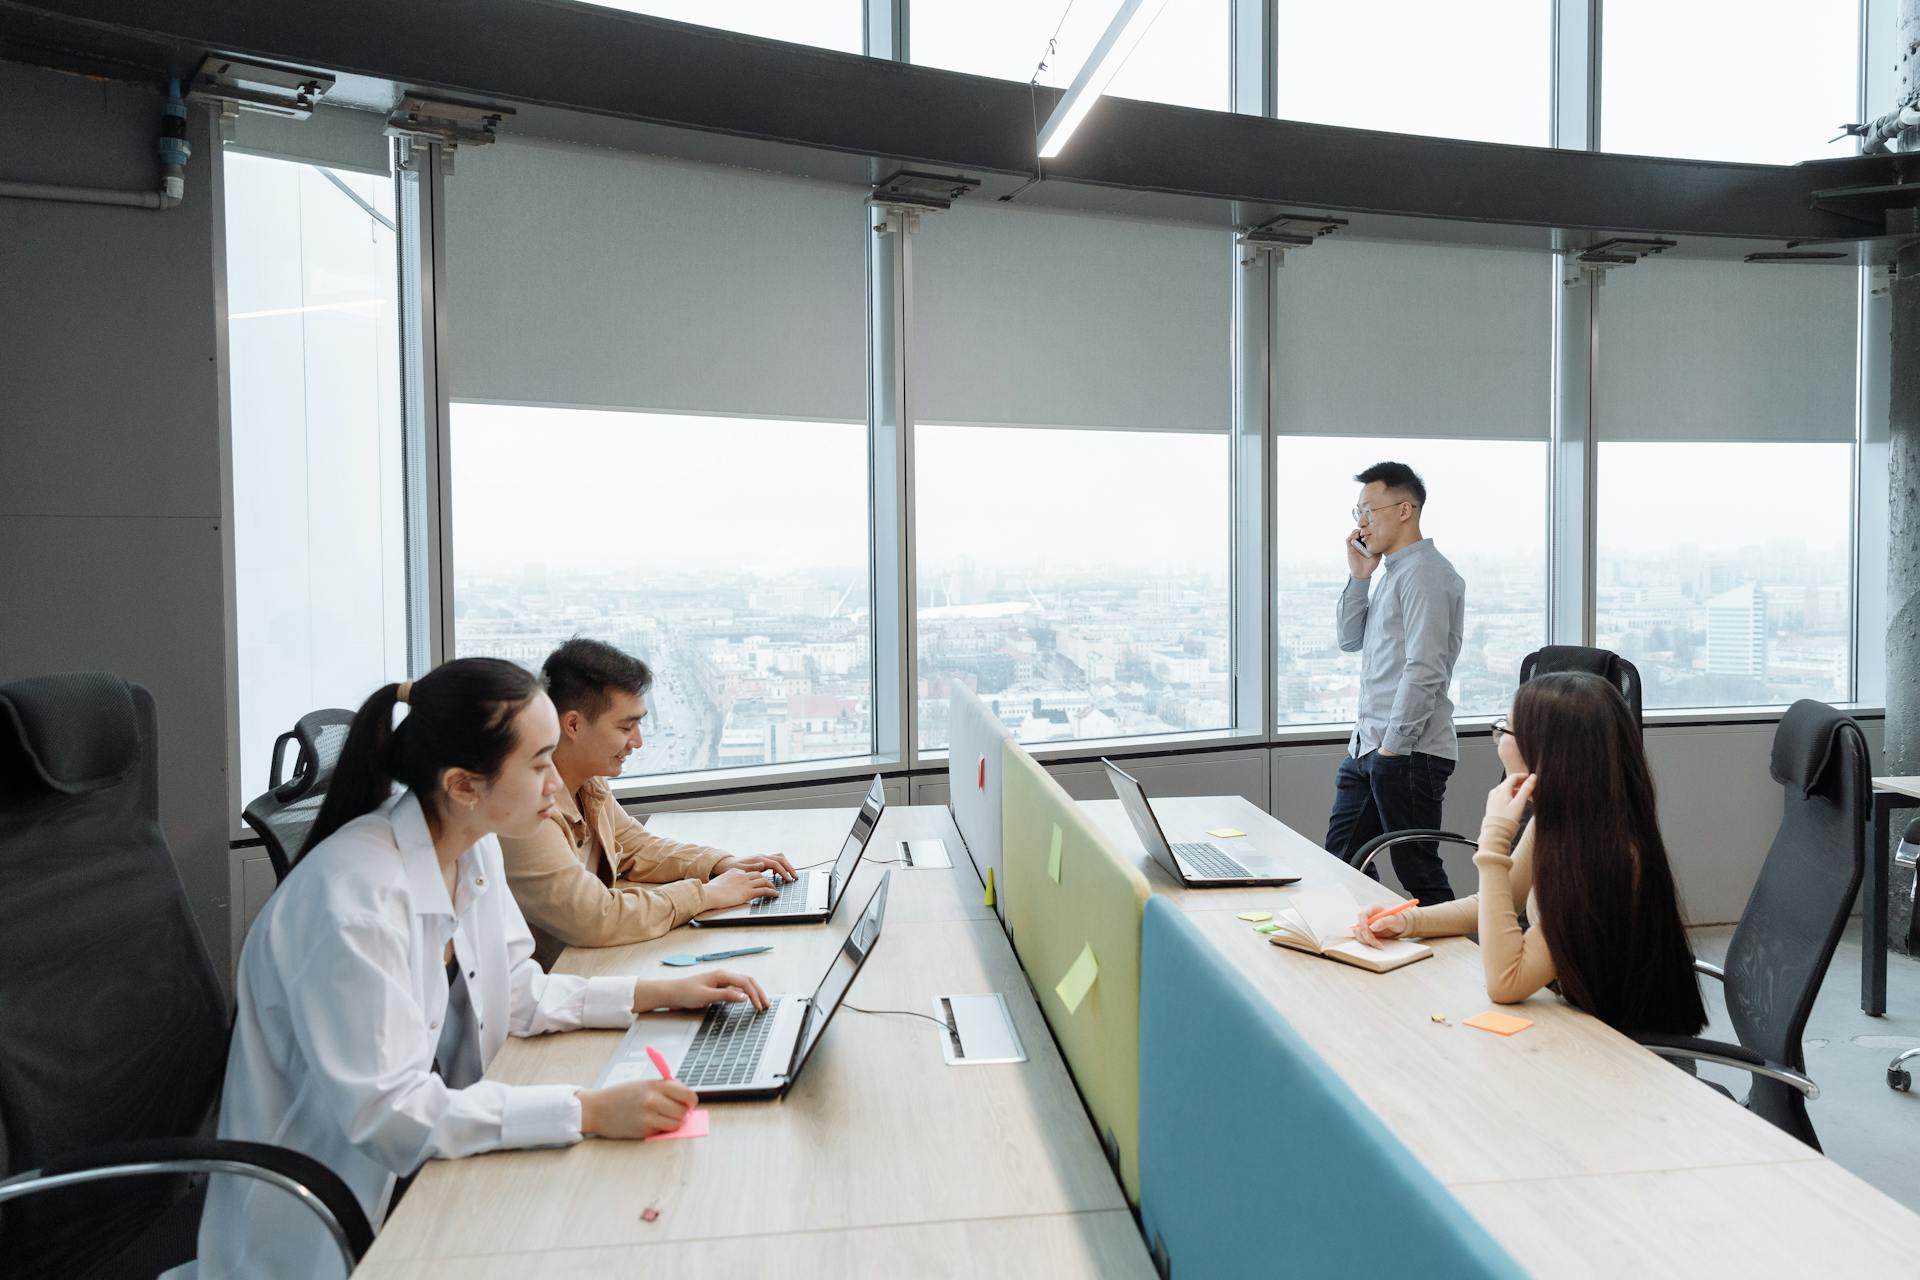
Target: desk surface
[1103, 1243]
[1566, 1131]
[1899, 786]
[878, 1144]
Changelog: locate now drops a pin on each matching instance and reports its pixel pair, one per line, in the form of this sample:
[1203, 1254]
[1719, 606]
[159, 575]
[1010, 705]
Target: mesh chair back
[1779, 953]
[286, 813]
[1605, 663]
[113, 1025]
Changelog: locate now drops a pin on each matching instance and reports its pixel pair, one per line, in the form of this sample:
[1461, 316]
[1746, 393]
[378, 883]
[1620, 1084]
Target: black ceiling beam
[583, 58]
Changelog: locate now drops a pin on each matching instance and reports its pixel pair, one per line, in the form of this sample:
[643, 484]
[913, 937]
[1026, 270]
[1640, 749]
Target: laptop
[736, 1051]
[811, 897]
[1200, 865]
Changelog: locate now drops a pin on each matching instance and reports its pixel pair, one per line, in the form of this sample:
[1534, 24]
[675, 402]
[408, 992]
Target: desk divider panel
[1073, 909]
[974, 744]
[1256, 1157]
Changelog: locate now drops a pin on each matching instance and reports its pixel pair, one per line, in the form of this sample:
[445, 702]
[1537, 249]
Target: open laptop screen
[863, 824]
[1133, 798]
[840, 974]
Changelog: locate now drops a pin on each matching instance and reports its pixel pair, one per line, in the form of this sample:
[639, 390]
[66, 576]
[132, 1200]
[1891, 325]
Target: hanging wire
[1033, 99]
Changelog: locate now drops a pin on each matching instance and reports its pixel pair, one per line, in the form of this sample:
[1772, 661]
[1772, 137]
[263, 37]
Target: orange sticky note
[983, 773]
[1501, 1024]
[694, 1126]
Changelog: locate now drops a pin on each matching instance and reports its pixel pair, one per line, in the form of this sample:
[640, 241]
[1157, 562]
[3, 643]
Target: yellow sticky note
[1073, 988]
[1501, 1024]
[1256, 917]
[1053, 855]
[989, 901]
[1224, 833]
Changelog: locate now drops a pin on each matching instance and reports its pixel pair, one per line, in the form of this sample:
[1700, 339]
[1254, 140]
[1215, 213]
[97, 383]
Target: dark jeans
[1376, 793]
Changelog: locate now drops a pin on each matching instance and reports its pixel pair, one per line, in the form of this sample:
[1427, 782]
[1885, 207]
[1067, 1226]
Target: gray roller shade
[1726, 351]
[332, 137]
[1384, 339]
[602, 279]
[1034, 317]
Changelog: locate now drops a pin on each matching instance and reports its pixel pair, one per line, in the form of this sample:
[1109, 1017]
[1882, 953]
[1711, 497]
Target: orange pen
[1384, 912]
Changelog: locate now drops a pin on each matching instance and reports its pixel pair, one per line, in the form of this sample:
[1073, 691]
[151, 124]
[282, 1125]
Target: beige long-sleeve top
[1516, 961]
[594, 877]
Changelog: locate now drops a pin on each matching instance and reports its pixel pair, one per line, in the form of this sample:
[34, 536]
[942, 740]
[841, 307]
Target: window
[1725, 402]
[313, 341]
[1438, 357]
[659, 440]
[1183, 58]
[1769, 84]
[1071, 472]
[1482, 71]
[826, 24]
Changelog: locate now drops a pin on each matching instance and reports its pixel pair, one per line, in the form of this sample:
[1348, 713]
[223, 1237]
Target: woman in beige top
[1591, 868]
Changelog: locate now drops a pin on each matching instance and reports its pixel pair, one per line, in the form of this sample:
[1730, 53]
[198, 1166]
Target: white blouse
[342, 988]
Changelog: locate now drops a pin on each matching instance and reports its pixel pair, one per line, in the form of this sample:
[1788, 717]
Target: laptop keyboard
[1210, 862]
[728, 1046]
[792, 897]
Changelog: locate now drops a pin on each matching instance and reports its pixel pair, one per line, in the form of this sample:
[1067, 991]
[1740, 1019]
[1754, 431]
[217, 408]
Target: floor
[1867, 1128]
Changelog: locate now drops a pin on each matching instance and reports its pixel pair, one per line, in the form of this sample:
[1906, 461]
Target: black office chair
[1786, 937]
[1623, 675]
[286, 813]
[113, 1026]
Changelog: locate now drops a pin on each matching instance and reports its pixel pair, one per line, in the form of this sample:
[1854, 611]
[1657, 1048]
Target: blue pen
[682, 961]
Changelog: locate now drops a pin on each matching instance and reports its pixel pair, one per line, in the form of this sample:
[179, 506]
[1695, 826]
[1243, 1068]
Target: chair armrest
[301, 1176]
[1728, 1055]
[1366, 853]
[1710, 970]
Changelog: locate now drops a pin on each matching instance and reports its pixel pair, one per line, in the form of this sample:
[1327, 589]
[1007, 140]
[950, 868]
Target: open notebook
[1321, 921]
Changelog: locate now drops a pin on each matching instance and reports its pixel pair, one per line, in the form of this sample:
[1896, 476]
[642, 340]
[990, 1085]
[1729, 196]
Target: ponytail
[459, 716]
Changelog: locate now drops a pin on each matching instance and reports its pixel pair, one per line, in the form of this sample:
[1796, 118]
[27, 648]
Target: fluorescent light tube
[1122, 34]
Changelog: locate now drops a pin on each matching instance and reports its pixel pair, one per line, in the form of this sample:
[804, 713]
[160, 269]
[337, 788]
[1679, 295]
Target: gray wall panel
[107, 348]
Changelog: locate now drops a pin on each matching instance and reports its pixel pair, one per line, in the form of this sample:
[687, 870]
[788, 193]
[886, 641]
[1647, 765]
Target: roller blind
[586, 277]
[1726, 351]
[332, 137]
[1385, 339]
[1041, 318]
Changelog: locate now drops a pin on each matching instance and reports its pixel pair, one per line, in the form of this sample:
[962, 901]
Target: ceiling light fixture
[1122, 34]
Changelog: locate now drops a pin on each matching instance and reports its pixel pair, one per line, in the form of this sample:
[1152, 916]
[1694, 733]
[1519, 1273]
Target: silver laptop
[811, 897]
[736, 1051]
[1199, 865]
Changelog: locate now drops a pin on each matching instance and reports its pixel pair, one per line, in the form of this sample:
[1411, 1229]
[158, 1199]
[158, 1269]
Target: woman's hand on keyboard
[778, 863]
[697, 991]
[731, 888]
[635, 1109]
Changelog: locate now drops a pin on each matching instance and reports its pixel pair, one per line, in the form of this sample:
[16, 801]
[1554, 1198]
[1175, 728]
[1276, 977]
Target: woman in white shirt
[392, 964]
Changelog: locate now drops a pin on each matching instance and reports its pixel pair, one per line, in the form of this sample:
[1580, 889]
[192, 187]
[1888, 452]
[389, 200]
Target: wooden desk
[874, 1163]
[1104, 1243]
[1889, 794]
[1580, 1152]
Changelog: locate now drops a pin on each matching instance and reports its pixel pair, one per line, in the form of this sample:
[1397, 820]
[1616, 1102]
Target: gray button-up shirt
[1409, 634]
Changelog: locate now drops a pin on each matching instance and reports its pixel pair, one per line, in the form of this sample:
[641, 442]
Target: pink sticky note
[983, 773]
[694, 1126]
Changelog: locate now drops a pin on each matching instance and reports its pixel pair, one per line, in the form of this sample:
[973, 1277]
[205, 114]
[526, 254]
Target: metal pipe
[174, 152]
[86, 195]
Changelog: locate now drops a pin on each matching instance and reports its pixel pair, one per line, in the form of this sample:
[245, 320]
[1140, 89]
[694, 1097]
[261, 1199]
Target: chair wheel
[1899, 1078]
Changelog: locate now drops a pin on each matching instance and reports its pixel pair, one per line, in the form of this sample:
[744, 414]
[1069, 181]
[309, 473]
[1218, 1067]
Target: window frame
[1572, 448]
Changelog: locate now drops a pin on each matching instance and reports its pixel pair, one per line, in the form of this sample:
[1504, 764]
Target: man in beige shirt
[592, 876]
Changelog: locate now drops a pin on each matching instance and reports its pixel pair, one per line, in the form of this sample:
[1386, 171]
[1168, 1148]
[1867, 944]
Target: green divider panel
[1074, 904]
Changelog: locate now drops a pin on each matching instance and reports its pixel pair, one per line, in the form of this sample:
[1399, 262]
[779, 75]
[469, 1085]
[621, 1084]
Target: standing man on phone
[1408, 632]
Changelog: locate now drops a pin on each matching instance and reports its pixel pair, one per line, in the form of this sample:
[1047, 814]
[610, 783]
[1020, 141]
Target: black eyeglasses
[1500, 727]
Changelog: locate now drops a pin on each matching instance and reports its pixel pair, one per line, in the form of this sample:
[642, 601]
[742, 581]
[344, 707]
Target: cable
[942, 1023]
